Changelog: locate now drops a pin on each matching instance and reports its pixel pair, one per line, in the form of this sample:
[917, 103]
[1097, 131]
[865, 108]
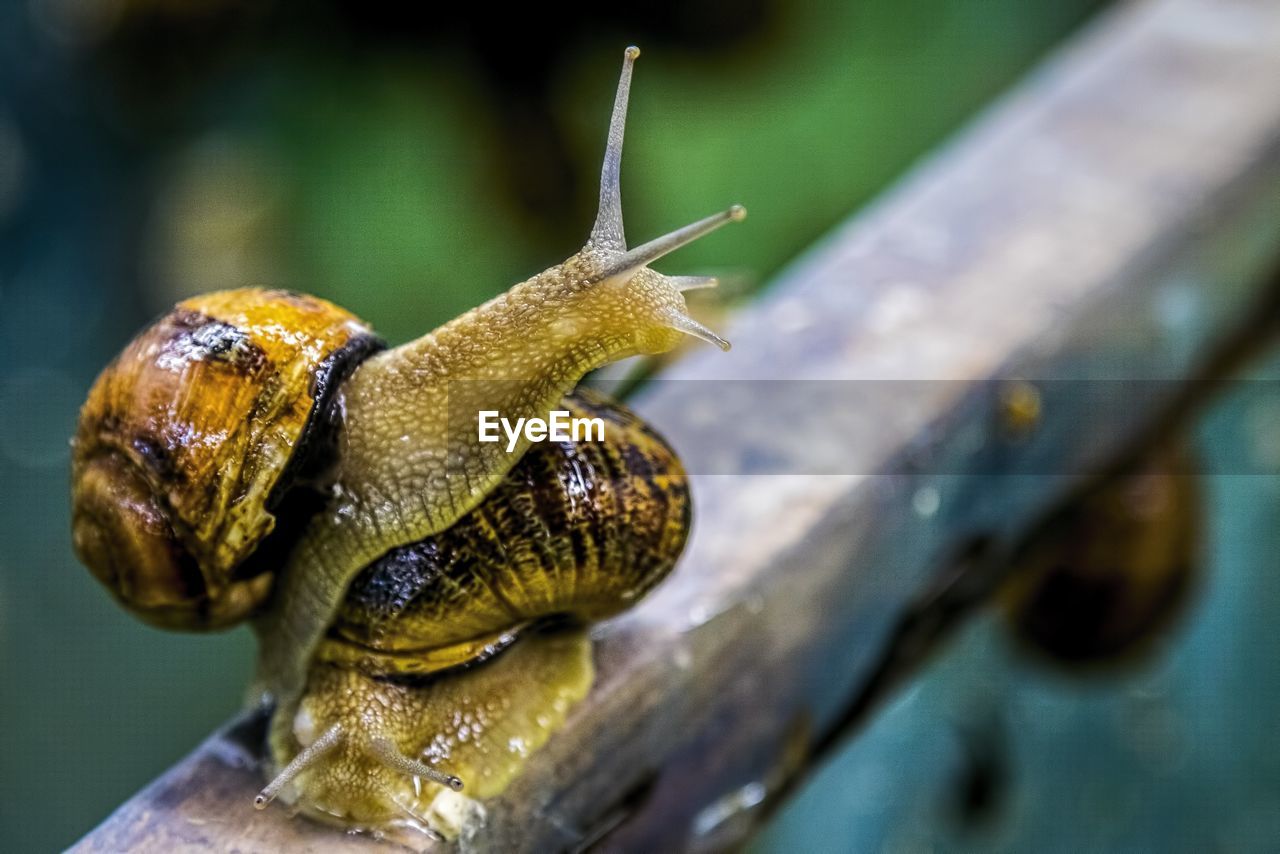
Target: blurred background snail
[1104, 579]
[262, 454]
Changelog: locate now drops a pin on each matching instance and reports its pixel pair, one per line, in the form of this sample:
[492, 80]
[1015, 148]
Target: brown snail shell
[190, 441]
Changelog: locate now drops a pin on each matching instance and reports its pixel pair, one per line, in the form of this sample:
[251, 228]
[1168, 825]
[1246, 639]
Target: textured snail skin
[186, 445]
[482, 724]
[411, 461]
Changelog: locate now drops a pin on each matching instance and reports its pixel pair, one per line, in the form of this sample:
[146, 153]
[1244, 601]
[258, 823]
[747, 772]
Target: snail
[1110, 571]
[421, 598]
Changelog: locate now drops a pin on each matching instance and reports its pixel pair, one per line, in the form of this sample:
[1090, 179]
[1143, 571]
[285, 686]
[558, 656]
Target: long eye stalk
[607, 233]
[646, 253]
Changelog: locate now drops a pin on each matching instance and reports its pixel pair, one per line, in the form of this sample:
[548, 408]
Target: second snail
[421, 599]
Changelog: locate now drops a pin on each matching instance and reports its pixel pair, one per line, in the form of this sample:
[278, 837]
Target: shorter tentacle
[385, 751]
[312, 753]
[686, 324]
[693, 283]
[645, 254]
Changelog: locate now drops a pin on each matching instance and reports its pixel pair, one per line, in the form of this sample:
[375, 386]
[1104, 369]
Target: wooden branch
[1112, 218]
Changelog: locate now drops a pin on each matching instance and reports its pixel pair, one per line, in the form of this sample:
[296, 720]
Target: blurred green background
[406, 163]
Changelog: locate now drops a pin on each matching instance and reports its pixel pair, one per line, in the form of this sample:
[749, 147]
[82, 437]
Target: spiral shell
[193, 441]
[577, 530]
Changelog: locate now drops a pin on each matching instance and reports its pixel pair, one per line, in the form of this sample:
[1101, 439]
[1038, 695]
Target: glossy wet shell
[579, 530]
[190, 440]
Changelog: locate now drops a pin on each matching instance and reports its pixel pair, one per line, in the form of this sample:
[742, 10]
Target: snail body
[260, 454]
[574, 534]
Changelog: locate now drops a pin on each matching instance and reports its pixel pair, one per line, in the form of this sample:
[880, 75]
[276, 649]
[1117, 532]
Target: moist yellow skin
[480, 724]
[411, 461]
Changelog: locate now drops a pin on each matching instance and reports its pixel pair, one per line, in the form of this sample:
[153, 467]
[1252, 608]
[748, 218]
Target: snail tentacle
[308, 756]
[607, 233]
[379, 748]
[634, 260]
[686, 324]
[694, 283]
[385, 751]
